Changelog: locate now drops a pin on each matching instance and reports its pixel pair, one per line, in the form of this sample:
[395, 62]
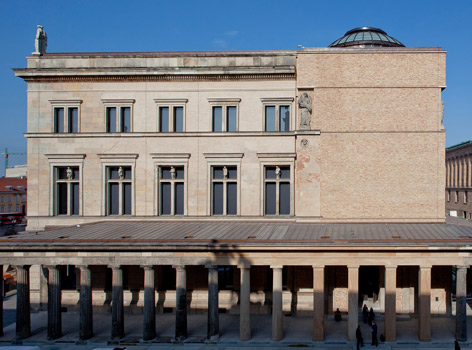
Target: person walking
[365, 313]
[456, 345]
[371, 316]
[360, 340]
[374, 334]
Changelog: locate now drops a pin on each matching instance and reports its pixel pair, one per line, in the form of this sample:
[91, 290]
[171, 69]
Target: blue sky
[93, 25]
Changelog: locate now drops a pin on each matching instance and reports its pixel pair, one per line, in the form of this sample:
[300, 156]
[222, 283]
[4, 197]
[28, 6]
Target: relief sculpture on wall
[304, 103]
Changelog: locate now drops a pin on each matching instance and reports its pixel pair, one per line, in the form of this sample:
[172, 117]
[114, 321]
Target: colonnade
[459, 171]
[23, 324]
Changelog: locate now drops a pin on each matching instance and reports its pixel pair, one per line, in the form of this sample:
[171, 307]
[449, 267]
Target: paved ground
[297, 332]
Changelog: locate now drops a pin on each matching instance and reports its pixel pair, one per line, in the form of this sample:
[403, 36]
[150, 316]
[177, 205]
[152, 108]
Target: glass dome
[366, 37]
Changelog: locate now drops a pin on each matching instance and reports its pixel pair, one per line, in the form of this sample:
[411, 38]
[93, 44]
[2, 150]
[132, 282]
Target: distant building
[459, 180]
[13, 195]
[16, 171]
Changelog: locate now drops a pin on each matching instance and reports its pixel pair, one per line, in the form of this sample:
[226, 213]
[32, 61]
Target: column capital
[83, 267]
[178, 267]
[462, 267]
[426, 267]
[391, 266]
[274, 267]
[353, 266]
[244, 265]
[115, 267]
[318, 266]
[147, 267]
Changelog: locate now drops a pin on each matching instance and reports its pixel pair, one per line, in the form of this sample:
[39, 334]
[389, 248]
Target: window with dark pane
[178, 119]
[120, 190]
[66, 193]
[59, 120]
[217, 120]
[277, 198]
[125, 119]
[231, 119]
[224, 190]
[164, 119]
[111, 119]
[73, 119]
[171, 190]
[269, 118]
[284, 118]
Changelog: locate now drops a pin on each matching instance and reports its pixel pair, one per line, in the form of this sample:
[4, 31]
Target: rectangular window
[10, 197]
[277, 118]
[9, 209]
[171, 188]
[171, 119]
[66, 116]
[2, 199]
[24, 198]
[66, 187]
[17, 198]
[224, 186]
[119, 190]
[277, 198]
[118, 119]
[465, 197]
[224, 114]
[2, 209]
[17, 208]
[457, 196]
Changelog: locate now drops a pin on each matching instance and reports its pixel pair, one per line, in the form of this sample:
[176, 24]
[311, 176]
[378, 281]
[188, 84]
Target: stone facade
[366, 146]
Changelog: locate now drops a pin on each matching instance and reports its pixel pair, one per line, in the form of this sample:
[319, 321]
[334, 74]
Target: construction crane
[6, 154]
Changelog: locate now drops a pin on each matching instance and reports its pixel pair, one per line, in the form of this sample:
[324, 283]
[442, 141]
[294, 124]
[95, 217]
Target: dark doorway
[369, 283]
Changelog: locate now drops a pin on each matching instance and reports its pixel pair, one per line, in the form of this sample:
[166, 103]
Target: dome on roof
[366, 37]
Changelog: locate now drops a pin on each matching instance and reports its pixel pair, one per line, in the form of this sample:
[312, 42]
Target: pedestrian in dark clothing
[360, 340]
[337, 315]
[374, 334]
[371, 316]
[365, 313]
[456, 345]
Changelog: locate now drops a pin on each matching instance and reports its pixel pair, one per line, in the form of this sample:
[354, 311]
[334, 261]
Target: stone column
[447, 173]
[149, 317]
[23, 319]
[461, 303]
[54, 303]
[244, 304]
[213, 329]
[318, 303]
[181, 303]
[277, 314]
[353, 302]
[456, 172]
[390, 303]
[117, 308]
[424, 303]
[86, 312]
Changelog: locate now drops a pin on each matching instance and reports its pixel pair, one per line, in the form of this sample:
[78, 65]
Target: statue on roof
[40, 42]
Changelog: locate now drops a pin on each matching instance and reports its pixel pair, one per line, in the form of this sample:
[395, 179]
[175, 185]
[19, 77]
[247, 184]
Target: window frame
[171, 104]
[277, 102]
[111, 160]
[66, 105]
[281, 160]
[60, 161]
[167, 160]
[224, 103]
[221, 160]
[69, 183]
[118, 104]
[224, 182]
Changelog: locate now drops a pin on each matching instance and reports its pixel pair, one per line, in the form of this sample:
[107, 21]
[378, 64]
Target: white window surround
[223, 159]
[66, 104]
[171, 103]
[277, 102]
[224, 102]
[117, 160]
[64, 160]
[169, 159]
[118, 103]
[277, 159]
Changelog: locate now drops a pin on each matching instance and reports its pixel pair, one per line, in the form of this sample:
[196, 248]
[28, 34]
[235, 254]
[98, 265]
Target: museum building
[289, 183]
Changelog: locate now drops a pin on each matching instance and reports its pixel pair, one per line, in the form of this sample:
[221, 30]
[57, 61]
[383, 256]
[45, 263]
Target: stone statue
[121, 173]
[172, 172]
[69, 174]
[41, 41]
[304, 102]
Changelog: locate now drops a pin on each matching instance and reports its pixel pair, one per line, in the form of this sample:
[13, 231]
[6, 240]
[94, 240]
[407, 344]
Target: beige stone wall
[382, 144]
